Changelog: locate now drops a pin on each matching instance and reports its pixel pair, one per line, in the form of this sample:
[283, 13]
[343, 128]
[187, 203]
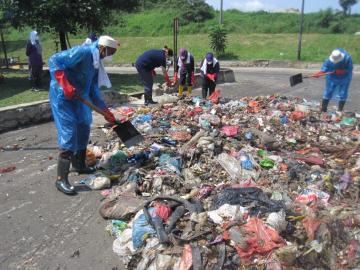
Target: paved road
[40, 228]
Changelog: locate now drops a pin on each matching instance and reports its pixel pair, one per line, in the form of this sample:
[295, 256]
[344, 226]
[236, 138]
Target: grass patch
[16, 87]
[316, 47]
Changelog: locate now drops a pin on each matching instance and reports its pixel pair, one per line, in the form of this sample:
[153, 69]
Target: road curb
[26, 114]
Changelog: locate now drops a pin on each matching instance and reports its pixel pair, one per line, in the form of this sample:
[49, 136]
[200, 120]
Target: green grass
[16, 87]
[316, 47]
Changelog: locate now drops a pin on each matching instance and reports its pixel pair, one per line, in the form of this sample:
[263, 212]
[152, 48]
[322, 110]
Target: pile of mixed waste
[265, 182]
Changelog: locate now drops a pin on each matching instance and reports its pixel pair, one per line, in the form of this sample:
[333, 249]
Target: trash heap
[264, 182]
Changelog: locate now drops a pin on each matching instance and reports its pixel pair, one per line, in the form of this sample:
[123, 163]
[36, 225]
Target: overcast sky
[271, 5]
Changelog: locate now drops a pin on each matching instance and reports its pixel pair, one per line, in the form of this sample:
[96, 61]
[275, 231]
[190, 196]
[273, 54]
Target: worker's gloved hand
[318, 74]
[167, 80]
[211, 77]
[192, 78]
[109, 116]
[153, 72]
[69, 90]
[175, 77]
[340, 71]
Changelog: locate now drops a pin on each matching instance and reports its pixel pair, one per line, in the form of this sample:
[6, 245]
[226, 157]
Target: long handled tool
[129, 135]
[298, 78]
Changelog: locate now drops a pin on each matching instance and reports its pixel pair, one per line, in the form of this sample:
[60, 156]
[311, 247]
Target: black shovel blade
[296, 79]
[129, 135]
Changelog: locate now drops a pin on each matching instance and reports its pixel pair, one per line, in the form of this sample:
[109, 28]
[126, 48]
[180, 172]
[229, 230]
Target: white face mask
[107, 58]
[209, 63]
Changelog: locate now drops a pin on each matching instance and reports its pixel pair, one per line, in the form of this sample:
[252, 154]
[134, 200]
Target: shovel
[128, 134]
[298, 78]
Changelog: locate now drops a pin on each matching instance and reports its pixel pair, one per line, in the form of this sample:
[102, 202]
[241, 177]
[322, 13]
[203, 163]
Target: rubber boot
[62, 182]
[341, 105]
[324, 105]
[181, 89]
[204, 93]
[189, 90]
[146, 99]
[150, 100]
[79, 165]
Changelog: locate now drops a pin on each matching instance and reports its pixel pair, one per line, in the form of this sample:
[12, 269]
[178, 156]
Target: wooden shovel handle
[325, 73]
[92, 106]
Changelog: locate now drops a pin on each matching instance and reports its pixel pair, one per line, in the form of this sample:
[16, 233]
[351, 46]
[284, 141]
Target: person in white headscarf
[34, 53]
[78, 72]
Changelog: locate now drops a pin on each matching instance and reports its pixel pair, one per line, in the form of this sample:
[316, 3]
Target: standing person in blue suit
[339, 65]
[77, 72]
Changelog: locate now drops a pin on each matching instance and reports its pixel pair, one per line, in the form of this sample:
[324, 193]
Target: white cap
[108, 41]
[336, 56]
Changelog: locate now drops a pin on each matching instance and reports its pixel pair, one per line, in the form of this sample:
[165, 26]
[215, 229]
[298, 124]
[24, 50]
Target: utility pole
[175, 35]
[301, 30]
[221, 12]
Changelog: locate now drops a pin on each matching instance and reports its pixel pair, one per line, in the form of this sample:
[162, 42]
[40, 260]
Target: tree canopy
[346, 5]
[63, 16]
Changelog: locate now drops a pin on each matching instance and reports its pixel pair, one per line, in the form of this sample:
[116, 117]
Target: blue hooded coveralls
[337, 86]
[72, 117]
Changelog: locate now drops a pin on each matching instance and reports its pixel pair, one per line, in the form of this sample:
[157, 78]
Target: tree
[217, 38]
[189, 10]
[63, 16]
[346, 5]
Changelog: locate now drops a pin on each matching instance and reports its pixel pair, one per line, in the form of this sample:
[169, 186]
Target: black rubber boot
[79, 165]
[204, 93]
[324, 105]
[150, 100]
[62, 182]
[146, 99]
[341, 105]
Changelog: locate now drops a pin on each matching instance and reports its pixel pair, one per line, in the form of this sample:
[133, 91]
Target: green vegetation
[158, 22]
[316, 47]
[16, 87]
[217, 38]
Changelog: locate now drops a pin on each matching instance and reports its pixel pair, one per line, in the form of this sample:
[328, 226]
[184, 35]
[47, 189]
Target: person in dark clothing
[34, 52]
[209, 69]
[145, 65]
[186, 65]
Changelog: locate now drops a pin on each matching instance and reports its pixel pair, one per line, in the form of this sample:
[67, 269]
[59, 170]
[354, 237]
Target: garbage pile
[265, 182]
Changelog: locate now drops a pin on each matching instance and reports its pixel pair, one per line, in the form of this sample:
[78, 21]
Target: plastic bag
[214, 97]
[96, 181]
[142, 229]
[260, 239]
[277, 221]
[229, 131]
[186, 258]
[311, 225]
[228, 212]
[210, 118]
[163, 211]
[297, 116]
[231, 165]
[90, 158]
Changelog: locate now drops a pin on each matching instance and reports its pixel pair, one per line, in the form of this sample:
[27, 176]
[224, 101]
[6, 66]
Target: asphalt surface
[40, 228]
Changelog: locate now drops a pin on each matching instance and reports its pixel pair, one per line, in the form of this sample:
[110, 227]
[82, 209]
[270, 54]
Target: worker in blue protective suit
[339, 67]
[146, 64]
[77, 72]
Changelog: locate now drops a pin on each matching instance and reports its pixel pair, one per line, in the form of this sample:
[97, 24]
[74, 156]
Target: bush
[217, 38]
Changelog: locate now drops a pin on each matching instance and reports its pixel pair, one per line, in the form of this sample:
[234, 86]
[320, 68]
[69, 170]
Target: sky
[273, 5]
